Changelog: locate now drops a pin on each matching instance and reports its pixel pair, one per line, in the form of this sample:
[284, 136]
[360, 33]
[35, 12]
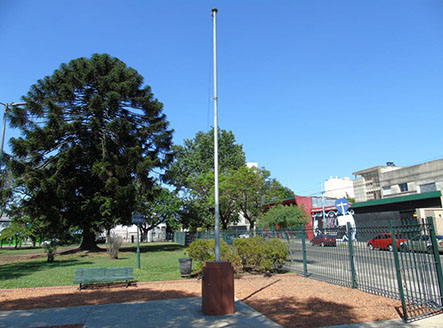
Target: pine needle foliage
[91, 132]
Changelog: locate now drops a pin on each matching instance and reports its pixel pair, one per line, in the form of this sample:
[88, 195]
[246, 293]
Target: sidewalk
[181, 313]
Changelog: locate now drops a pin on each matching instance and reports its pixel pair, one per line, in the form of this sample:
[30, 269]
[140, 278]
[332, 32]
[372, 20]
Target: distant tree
[163, 208]
[6, 191]
[16, 230]
[90, 133]
[193, 214]
[252, 188]
[196, 157]
[277, 192]
[285, 217]
[349, 198]
[229, 208]
[191, 170]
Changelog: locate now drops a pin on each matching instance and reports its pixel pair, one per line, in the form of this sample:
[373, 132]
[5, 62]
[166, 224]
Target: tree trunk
[251, 225]
[88, 241]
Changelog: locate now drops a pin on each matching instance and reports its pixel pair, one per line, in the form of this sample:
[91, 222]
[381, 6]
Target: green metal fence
[406, 267]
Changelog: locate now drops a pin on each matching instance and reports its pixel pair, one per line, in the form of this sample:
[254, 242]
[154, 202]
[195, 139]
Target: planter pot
[185, 266]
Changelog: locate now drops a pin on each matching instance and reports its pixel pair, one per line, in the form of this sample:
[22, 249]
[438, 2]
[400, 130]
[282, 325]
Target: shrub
[276, 251]
[114, 244]
[204, 250]
[50, 249]
[260, 255]
[250, 251]
[254, 254]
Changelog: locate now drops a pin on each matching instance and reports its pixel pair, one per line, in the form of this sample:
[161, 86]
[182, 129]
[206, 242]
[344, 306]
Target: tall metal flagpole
[217, 276]
[217, 211]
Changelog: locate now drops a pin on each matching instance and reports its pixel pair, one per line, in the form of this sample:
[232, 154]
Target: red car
[384, 241]
[324, 240]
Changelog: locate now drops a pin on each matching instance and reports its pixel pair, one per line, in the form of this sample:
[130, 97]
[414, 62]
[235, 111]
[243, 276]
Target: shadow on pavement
[290, 312]
[93, 297]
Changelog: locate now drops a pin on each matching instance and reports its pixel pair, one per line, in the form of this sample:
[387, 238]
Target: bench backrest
[91, 274]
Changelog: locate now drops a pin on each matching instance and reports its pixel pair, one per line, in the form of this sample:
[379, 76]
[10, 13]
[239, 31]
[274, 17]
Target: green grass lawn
[158, 261]
[10, 251]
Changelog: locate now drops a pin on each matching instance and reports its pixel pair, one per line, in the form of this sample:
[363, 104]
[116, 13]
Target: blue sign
[342, 205]
[138, 218]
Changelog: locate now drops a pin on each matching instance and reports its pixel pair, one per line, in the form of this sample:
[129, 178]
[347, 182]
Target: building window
[428, 187]
[387, 191]
[403, 187]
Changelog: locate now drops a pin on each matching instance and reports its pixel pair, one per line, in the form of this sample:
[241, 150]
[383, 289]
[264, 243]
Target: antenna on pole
[217, 210]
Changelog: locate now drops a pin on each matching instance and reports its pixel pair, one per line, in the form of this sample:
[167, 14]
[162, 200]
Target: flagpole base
[218, 288]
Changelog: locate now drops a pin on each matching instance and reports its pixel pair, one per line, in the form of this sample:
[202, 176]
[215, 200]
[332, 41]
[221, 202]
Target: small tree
[285, 217]
[114, 244]
[50, 249]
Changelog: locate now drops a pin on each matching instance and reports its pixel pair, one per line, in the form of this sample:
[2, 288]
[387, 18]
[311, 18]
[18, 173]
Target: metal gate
[418, 268]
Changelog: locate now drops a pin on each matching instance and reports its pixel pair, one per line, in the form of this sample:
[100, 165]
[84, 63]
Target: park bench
[102, 275]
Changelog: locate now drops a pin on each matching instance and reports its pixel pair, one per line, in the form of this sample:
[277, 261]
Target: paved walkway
[181, 313]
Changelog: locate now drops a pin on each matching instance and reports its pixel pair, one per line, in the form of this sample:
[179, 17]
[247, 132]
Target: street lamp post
[4, 125]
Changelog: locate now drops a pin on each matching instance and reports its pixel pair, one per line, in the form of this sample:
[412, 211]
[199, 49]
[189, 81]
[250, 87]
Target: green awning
[408, 198]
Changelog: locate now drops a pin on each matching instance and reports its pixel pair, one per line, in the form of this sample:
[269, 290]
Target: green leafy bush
[250, 251]
[50, 249]
[260, 255]
[204, 250]
[276, 251]
[253, 254]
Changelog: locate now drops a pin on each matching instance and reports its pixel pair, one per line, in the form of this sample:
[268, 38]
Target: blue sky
[311, 89]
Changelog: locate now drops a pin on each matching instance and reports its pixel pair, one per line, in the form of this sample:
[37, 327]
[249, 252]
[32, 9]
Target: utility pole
[4, 126]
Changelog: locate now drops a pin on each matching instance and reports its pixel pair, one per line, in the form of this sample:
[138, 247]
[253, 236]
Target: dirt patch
[290, 300]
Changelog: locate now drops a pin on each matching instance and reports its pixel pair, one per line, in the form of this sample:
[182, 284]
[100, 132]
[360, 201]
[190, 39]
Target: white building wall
[389, 180]
[129, 233]
[339, 187]
[415, 177]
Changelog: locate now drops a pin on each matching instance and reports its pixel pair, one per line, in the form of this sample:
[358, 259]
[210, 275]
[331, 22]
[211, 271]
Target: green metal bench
[101, 275]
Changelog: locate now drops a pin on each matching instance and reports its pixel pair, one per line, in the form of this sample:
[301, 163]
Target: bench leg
[80, 286]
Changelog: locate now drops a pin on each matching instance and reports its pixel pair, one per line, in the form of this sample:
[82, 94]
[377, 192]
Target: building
[129, 233]
[392, 181]
[400, 210]
[339, 188]
[399, 195]
[4, 221]
[367, 182]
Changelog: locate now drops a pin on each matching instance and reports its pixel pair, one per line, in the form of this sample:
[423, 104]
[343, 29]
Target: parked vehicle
[420, 243]
[53, 241]
[440, 243]
[384, 241]
[324, 240]
[423, 244]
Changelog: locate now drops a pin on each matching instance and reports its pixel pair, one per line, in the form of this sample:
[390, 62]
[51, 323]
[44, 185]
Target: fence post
[436, 254]
[398, 270]
[351, 255]
[290, 247]
[303, 242]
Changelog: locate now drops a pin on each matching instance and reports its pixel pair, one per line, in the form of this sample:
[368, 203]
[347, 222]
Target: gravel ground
[288, 299]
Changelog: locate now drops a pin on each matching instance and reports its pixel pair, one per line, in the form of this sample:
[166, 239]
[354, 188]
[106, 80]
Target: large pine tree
[91, 132]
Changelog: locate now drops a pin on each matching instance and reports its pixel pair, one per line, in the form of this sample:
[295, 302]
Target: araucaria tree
[92, 134]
